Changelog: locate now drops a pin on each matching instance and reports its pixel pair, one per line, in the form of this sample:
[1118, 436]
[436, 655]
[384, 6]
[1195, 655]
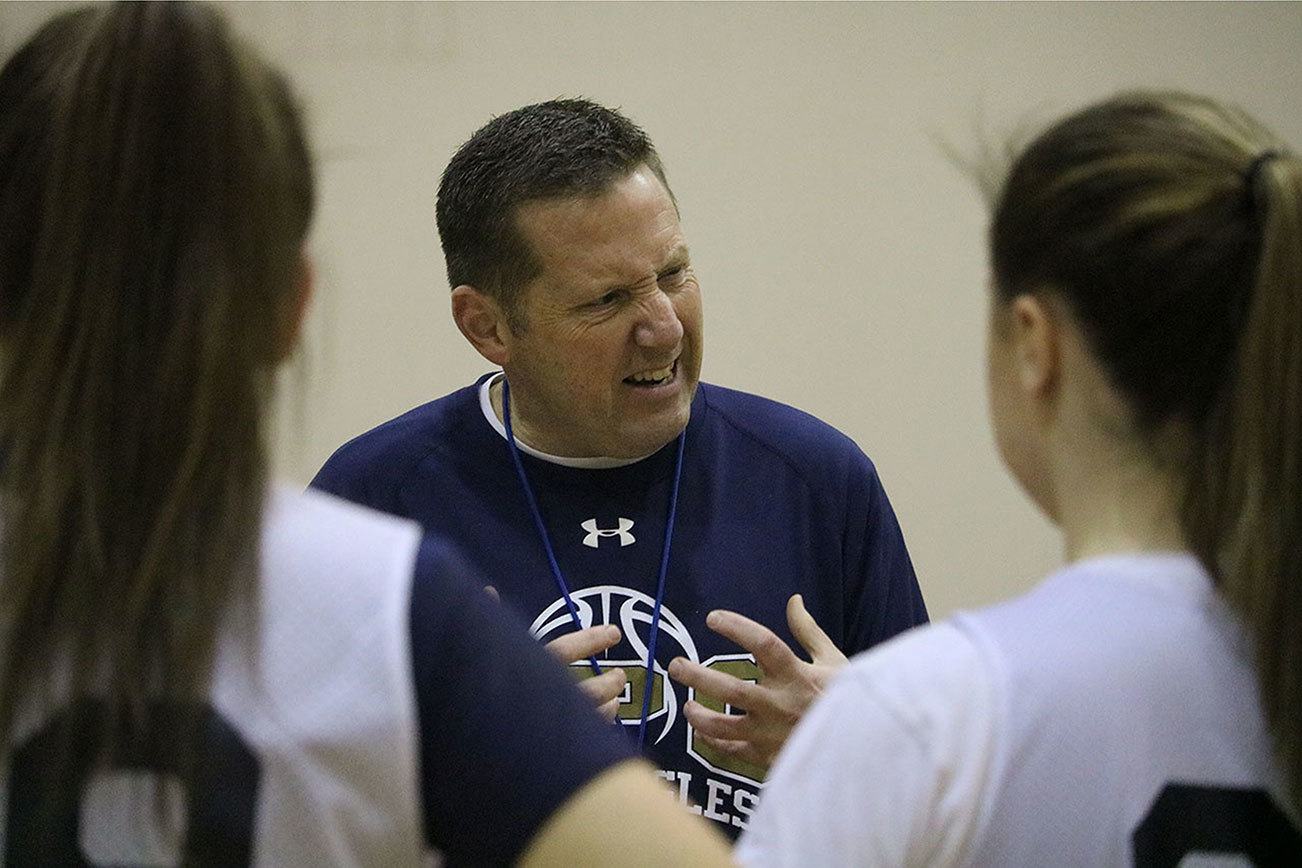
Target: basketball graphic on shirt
[631, 611]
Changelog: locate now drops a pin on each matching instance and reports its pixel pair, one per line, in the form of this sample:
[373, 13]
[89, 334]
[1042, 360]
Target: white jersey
[311, 708]
[1110, 717]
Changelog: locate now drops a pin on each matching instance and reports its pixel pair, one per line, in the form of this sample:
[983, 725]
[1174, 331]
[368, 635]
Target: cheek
[1020, 445]
[592, 365]
[688, 307]
[1002, 403]
[1005, 439]
[995, 375]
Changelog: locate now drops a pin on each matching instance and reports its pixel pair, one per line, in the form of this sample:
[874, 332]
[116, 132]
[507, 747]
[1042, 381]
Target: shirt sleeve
[505, 736]
[882, 594]
[889, 767]
[339, 476]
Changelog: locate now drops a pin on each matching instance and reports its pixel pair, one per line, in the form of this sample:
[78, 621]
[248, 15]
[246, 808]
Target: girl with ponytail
[197, 667]
[1145, 373]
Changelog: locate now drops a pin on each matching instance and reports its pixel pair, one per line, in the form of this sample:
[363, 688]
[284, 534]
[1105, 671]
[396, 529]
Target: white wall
[839, 252]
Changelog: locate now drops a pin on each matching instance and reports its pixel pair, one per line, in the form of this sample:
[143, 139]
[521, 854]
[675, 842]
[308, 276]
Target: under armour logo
[596, 533]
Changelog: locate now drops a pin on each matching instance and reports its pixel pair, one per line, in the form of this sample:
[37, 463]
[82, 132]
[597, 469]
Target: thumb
[811, 637]
[492, 593]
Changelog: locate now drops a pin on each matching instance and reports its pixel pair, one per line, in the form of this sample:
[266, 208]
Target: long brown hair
[1172, 226]
[155, 189]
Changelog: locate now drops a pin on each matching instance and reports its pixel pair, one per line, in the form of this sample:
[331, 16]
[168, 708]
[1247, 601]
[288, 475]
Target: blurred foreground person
[1145, 371]
[197, 667]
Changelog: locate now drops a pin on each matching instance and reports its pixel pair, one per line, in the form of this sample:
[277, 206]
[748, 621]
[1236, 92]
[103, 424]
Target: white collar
[600, 463]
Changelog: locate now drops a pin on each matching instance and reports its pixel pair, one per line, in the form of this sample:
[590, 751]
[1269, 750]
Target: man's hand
[604, 689]
[775, 705]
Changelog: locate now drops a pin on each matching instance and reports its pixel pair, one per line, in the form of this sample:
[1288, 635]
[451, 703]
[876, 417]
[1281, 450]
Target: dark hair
[155, 189]
[556, 149]
[1177, 247]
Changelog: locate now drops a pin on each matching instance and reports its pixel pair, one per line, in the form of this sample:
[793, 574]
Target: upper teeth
[649, 376]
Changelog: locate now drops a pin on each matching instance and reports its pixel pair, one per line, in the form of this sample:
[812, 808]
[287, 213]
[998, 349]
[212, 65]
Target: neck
[1117, 501]
[520, 427]
[527, 438]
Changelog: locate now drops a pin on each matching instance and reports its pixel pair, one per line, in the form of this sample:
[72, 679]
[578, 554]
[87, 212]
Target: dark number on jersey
[1186, 819]
[43, 826]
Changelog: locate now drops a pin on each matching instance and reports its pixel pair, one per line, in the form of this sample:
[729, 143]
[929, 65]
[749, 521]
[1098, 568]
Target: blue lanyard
[560, 579]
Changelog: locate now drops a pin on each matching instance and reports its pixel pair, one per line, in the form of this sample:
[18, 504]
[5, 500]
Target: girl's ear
[1036, 341]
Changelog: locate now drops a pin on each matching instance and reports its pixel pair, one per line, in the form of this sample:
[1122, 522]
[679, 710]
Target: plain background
[840, 251]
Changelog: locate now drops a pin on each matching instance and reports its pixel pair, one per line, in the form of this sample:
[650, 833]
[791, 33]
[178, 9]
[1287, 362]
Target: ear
[481, 319]
[295, 312]
[1036, 345]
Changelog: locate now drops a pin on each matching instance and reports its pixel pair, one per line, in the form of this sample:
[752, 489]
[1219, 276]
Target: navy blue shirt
[773, 502]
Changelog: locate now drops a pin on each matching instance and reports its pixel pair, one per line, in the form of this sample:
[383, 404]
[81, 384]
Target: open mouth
[653, 377]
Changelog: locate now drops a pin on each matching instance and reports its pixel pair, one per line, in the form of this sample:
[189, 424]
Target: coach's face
[609, 355]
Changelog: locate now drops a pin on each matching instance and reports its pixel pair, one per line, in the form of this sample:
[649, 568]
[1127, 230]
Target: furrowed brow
[678, 257]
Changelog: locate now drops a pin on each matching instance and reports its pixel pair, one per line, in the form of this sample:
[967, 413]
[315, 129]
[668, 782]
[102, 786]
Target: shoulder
[1084, 624]
[316, 528]
[477, 674]
[929, 678]
[804, 442]
[389, 451]
[898, 754]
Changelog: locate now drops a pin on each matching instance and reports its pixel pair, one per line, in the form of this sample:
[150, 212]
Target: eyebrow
[679, 256]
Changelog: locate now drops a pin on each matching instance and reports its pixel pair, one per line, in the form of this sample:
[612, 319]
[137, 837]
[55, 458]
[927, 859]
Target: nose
[659, 325]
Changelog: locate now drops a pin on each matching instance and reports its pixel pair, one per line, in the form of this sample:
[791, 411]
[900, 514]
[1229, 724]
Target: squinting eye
[608, 298]
[673, 276]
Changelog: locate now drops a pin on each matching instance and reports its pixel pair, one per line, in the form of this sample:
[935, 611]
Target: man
[600, 485]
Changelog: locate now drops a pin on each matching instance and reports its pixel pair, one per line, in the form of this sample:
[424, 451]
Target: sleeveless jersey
[1110, 717]
[309, 732]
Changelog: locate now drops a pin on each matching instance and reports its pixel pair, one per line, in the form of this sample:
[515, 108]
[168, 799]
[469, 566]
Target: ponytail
[1244, 505]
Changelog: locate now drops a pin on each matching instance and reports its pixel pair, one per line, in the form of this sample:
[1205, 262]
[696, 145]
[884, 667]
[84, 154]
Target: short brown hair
[560, 148]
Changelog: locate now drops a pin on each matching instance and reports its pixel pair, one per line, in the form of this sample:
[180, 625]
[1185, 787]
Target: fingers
[771, 653]
[605, 691]
[584, 643]
[609, 711]
[745, 750]
[492, 593]
[810, 636]
[720, 685]
[707, 721]
[739, 735]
